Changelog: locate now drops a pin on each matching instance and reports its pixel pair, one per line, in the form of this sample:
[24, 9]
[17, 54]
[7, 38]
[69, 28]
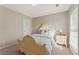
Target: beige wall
[11, 26]
[54, 21]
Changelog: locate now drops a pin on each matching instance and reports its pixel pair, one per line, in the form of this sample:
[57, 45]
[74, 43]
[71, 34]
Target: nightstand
[61, 39]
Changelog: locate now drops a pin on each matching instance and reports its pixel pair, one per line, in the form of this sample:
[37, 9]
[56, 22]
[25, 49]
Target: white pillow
[52, 32]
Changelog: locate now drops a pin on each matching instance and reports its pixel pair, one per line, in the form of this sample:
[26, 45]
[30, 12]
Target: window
[74, 30]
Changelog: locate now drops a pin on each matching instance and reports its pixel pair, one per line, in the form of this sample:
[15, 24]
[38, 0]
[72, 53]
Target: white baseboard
[7, 44]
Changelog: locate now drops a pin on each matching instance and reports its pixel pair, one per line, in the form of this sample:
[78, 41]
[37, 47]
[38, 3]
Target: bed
[30, 47]
[36, 44]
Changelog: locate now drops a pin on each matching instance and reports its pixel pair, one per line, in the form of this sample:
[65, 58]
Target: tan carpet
[59, 50]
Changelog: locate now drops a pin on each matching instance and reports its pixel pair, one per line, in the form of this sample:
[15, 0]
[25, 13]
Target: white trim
[7, 45]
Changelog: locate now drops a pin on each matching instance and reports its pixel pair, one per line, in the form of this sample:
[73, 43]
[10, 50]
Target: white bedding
[45, 39]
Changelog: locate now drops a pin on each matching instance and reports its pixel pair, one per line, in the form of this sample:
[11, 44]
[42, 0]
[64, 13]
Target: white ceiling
[38, 10]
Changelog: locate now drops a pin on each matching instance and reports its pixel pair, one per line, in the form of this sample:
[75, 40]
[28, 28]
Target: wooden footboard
[29, 46]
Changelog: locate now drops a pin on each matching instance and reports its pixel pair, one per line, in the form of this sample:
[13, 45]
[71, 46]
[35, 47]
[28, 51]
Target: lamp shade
[60, 30]
[44, 27]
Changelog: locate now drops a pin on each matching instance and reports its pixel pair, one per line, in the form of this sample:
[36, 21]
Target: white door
[27, 26]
